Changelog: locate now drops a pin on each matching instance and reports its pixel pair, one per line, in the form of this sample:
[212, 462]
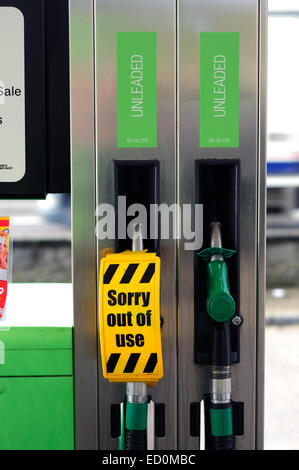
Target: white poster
[12, 95]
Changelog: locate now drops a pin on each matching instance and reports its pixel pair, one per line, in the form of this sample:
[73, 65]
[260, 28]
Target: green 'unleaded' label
[219, 90]
[136, 89]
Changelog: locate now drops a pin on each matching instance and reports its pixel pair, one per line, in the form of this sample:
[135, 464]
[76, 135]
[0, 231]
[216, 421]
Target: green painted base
[36, 413]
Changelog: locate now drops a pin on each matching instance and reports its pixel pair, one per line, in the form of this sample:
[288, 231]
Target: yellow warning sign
[129, 311]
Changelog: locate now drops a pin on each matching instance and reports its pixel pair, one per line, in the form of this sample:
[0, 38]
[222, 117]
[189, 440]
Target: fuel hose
[221, 308]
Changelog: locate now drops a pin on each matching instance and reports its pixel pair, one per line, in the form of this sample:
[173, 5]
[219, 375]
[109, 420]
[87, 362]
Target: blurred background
[41, 232]
[282, 304]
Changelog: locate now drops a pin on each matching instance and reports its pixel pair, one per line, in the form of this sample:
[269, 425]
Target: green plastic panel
[36, 362]
[35, 351]
[36, 338]
[36, 413]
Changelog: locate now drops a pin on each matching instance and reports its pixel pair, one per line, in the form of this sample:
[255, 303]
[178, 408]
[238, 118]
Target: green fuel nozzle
[221, 308]
[220, 304]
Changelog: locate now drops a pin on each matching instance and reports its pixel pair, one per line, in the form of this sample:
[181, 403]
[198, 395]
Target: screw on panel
[237, 320]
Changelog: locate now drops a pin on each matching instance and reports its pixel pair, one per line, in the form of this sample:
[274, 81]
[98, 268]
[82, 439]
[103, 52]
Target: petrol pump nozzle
[136, 392]
[216, 240]
[137, 239]
[130, 333]
[215, 251]
[220, 304]
[221, 308]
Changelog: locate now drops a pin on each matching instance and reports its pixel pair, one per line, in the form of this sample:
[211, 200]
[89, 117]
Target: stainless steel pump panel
[220, 93]
[135, 122]
[168, 102]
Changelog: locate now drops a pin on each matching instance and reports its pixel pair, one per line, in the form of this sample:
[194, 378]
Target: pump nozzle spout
[137, 240]
[216, 240]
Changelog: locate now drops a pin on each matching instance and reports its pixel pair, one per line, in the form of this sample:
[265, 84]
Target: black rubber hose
[221, 344]
[135, 440]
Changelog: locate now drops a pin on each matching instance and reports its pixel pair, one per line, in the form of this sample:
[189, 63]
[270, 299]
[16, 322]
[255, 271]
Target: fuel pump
[178, 150]
[130, 334]
[134, 426]
[221, 308]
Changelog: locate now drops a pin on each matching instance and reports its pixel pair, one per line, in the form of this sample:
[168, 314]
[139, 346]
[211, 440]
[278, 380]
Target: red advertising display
[4, 250]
